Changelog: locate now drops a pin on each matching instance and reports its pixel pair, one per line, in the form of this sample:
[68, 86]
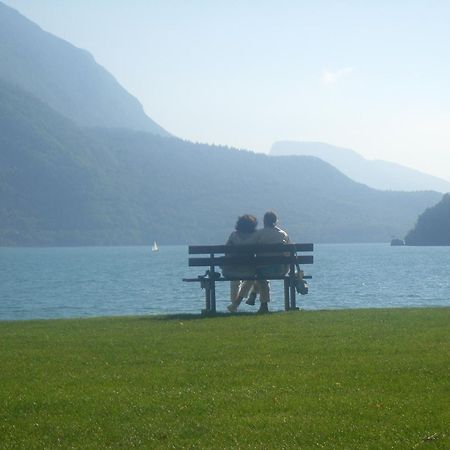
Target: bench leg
[212, 288]
[210, 298]
[286, 294]
[207, 298]
[213, 297]
[292, 289]
[293, 305]
[293, 300]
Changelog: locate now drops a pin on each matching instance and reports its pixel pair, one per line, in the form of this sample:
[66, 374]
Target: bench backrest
[220, 255]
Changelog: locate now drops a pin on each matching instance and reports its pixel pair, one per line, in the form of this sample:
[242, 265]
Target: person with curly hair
[244, 230]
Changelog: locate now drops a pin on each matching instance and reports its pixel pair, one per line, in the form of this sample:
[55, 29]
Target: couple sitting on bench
[246, 234]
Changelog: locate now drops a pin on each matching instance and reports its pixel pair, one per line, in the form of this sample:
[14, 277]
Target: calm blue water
[105, 281]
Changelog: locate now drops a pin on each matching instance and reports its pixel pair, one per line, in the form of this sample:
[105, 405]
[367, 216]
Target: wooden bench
[255, 255]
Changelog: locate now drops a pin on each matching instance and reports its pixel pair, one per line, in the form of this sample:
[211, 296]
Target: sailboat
[155, 247]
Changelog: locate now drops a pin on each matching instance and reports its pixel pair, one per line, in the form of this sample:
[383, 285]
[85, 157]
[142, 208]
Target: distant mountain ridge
[374, 173]
[61, 184]
[65, 77]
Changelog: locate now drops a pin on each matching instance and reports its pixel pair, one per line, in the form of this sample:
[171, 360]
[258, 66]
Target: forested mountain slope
[433, 225]
[61, 184]
[65, 77]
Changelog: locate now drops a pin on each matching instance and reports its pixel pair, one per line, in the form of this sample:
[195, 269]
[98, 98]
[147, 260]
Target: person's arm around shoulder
[254, 238]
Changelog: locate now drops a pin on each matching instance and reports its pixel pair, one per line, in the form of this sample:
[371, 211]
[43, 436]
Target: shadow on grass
[218, 315]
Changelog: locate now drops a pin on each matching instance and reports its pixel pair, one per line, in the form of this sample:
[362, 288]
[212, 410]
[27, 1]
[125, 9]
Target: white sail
[155, 247]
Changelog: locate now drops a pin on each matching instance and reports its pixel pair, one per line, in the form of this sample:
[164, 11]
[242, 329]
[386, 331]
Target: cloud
[331, 77]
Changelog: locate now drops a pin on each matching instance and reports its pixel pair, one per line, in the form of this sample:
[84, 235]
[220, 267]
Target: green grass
[358, 379]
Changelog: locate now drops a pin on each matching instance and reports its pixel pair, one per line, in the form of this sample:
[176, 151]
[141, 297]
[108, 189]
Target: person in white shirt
[270, 234]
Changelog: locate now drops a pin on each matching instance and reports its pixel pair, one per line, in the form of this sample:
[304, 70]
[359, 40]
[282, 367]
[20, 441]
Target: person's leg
[264, 285]
[254, 291]
[234, 289]
[244, 289]
[235, 286]
[244, 286]
[264, 295]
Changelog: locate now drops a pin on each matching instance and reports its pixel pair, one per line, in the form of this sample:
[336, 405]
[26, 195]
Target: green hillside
[433, 225]
[65, 77]
[66, 185]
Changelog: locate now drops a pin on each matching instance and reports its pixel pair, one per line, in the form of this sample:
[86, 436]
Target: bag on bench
[301, 286]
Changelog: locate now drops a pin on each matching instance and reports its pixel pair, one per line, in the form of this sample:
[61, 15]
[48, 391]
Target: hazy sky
[371, 75]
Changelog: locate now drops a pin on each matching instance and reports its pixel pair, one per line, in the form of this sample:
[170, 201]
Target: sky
[370, 75]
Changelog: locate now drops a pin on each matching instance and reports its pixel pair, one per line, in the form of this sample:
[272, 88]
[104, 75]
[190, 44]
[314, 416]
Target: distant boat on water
[155, 247]
[397, 242]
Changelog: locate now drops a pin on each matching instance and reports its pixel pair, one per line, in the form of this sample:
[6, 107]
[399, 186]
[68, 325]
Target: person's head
[246, 223]
[270, 219]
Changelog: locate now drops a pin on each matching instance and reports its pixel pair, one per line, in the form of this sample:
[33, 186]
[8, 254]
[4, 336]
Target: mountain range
[67, 181]
[65, 77]
[378, 174]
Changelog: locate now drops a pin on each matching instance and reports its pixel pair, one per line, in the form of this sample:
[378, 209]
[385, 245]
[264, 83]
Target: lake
[43, 283]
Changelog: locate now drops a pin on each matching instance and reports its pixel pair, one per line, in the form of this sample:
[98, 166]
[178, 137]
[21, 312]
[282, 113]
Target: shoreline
[221, 314]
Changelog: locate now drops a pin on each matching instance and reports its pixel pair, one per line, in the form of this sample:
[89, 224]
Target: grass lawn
[356, 379]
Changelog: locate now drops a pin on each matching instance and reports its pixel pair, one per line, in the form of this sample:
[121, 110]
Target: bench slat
[261, 248]
[250, 259]
[192, 280]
